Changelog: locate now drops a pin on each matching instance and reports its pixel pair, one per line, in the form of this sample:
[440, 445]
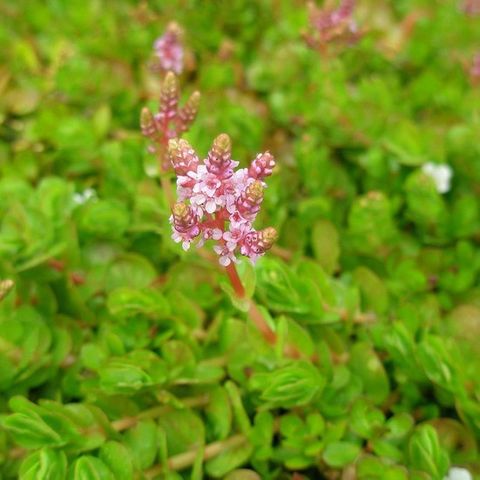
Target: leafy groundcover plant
[322, 319]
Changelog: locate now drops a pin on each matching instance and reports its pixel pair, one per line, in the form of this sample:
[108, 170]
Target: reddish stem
[235, 280]
[268, 334]
[255, 314]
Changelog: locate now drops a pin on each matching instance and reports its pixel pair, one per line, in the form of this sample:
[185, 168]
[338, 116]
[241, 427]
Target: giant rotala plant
[123, 356]
[215, 201]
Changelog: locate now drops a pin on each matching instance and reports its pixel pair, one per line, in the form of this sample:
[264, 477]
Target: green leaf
[365, 363]
[129, 270]
[261, 435]
[399, 425]
[46, 464]
[426, 454]
[239, 413]
[142, 441]
[277, 286]
[386, 449]
[127, 302]
[325, 244]
[118, 459]
[30, 431]
[364, 420]
[104, 219]
[89, 468]
[231, 458]
[219, 414]
[434, 358]
[93, 356]
[370, 224]
[184, 431]
[373, 468]
[122, 376]
[340, 454]
[294, 384]
[373, 290]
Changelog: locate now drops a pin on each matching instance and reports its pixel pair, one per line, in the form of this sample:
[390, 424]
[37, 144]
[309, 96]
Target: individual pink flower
[218, 203]
[209, 233]
[226, 255]
[169, 50]
[236, 234]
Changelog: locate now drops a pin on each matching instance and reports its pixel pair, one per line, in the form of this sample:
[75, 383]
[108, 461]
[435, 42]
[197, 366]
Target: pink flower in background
[169, 50]
[219, 203]
[332, 25]
[471, 7]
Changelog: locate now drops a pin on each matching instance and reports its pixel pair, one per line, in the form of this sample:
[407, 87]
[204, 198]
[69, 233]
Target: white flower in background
[457, 473]
[440, 173]
[79, 198]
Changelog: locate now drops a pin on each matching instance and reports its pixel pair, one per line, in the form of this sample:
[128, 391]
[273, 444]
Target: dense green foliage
[119, 351]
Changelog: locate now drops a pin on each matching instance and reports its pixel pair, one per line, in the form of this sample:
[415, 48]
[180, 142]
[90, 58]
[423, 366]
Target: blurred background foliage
[119, 352]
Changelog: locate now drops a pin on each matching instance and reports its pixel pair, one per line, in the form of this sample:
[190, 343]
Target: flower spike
[218, 203]
[169, 97]
[331, 26]
[169, 50]
[262, 166]
[187, 114]
[170, 121]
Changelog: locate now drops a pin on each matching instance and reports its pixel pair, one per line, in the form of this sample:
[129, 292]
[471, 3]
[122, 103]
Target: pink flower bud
[169, 98]
[185, 224]
[257, 243]
[219, 160]
[265, 239]
[186, 114]
[5, 287]
[182, 156]
[249, 202]
[262, 166]
[147, 123]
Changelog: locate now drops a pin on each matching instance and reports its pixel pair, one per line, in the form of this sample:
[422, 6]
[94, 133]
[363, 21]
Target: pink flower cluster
[217, 202]
[169, 50]
[332, 25]
[171, 120]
